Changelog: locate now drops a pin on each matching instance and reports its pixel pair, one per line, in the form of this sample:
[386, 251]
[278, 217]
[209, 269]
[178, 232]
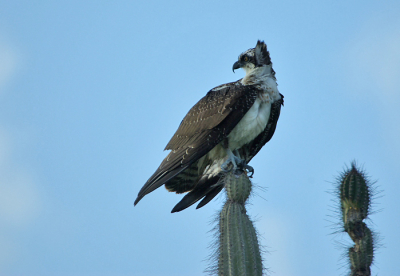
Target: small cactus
[354, 196]
[237, 248]
[355, 192]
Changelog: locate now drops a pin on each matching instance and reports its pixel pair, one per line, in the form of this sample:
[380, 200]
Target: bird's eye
[246, 59]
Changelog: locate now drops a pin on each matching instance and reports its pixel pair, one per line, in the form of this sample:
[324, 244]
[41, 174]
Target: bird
[221, 132]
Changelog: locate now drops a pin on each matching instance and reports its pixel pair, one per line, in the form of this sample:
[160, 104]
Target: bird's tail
[206, 189]
[157, 180]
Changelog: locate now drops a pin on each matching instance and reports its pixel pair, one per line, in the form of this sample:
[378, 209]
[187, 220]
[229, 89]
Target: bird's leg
[238, 164]
[231, 159]
[237, 154]
[243, 166]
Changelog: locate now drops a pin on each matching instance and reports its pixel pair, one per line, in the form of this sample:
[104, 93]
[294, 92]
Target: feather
[205, 187]
[261, 54]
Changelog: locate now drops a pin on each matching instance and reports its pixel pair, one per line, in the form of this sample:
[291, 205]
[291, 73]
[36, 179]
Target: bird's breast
[251, 125]
[255, 120]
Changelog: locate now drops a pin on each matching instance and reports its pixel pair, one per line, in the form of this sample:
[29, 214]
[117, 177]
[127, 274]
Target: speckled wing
[207, 188]
[250, 150]
[206, 125]
[211, 111]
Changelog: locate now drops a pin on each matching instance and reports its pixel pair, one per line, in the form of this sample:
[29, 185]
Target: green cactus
[355, 192]
[238, 250]
[361, 255]
[354, 196]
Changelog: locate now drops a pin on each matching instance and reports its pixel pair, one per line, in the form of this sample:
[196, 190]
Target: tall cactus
[355, 193]
[237, 248]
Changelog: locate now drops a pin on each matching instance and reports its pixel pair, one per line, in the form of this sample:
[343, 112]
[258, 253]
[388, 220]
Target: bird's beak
[236, 65]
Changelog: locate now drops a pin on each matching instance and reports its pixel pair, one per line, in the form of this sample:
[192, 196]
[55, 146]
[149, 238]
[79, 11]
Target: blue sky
[91, 92]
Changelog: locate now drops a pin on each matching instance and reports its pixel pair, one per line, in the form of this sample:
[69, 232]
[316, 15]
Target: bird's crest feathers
[261, 54]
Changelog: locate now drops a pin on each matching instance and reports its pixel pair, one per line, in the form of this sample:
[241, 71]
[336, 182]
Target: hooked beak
[236, 65]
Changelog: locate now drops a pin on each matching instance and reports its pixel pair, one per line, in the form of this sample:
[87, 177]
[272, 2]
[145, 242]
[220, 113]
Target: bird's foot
[231, 163]
[248, 169]
[238, 166]
[244, 168]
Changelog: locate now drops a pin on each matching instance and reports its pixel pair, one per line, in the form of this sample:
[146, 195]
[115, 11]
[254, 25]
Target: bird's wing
[207, 188]
[210, 111]
[205, 126]
[249, 150]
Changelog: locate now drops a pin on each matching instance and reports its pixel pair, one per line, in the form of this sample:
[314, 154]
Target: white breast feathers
[256, 119]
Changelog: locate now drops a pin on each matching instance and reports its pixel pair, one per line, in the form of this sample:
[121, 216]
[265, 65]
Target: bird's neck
[257, 75]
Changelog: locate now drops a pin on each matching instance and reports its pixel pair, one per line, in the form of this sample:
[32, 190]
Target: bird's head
[253, 58]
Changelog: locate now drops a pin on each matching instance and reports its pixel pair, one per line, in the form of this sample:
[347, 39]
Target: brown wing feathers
[209, 112]
[206, 124]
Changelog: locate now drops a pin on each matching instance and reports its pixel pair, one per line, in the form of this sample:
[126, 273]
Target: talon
[250, 170]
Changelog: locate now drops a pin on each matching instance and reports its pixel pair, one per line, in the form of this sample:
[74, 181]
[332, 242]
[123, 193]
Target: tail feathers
[184, 181]
[157, 180]
[210, 195]
[204, 189]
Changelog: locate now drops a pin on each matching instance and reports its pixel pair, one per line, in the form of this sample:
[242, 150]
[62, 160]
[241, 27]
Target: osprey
[224, 130]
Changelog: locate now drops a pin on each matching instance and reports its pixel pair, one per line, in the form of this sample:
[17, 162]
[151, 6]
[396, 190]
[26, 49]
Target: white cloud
[19, 206]
[19, 199]
[8, 63]
[7, 251]
[19, 196]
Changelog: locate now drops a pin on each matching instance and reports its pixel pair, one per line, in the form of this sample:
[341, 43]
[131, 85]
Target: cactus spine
[355, 192]
[238, 251]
